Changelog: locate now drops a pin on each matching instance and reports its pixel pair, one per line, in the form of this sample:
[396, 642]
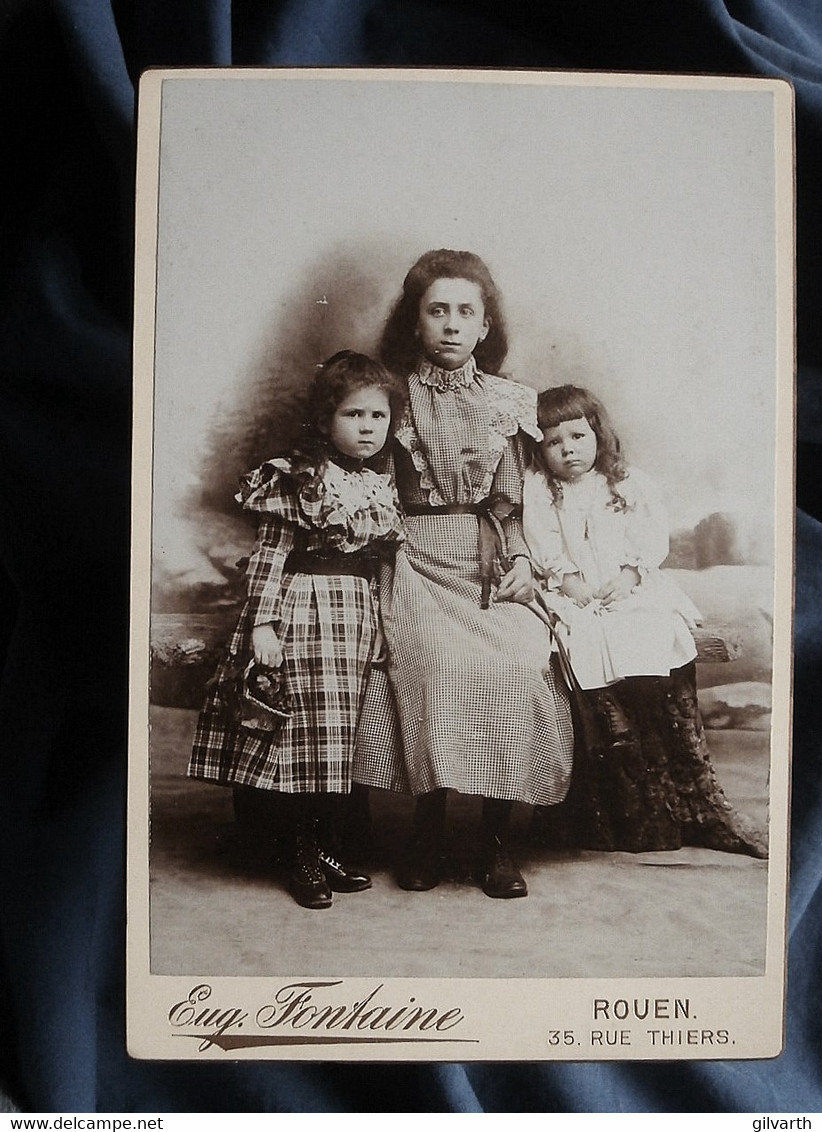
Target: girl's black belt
[447, 508]
[356, 563]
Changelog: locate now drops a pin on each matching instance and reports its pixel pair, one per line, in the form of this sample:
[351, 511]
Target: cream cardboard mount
[640, 229]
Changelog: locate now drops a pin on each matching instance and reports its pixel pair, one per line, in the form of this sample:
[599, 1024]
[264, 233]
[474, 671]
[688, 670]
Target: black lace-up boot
[306, 880]
[499, 877]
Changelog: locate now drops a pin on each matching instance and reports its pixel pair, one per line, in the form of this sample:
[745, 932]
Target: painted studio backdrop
[631, 234]
[625, 230]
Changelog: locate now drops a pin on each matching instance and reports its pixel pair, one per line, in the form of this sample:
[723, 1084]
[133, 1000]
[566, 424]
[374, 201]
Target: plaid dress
[326, 625]
[478, 707]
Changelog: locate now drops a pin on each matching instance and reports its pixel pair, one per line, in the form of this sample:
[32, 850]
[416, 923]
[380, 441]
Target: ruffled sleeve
[339, 509]
[268, 492]
[513, 406]
[270, 489]
[512, 418]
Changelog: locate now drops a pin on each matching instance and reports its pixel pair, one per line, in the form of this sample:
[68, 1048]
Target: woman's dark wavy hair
[341, 374]
[398, 347]
[569, 403]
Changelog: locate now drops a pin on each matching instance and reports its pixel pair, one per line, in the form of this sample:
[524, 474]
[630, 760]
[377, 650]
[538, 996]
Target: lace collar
[445, 379]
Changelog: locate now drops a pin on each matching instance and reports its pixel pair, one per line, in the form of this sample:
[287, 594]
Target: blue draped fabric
[68, 70]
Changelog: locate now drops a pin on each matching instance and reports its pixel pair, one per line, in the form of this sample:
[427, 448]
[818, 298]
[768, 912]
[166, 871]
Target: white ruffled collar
[444, 379]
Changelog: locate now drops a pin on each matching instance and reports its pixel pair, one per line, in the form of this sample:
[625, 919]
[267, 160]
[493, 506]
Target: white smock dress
[590, 533]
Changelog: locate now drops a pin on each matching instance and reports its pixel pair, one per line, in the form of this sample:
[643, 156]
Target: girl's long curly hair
[569, 403]
[399, 348]
[341, 374]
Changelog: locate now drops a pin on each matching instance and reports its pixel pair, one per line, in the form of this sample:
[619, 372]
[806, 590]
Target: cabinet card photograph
[462, 566]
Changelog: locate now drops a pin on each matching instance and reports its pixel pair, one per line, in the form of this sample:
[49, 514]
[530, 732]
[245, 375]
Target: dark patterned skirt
[327, 630]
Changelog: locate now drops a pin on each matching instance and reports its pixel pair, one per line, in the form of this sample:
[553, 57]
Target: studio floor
[693, 912]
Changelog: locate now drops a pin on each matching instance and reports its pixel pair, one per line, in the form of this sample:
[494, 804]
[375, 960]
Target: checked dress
[478, 705]
[326, 623]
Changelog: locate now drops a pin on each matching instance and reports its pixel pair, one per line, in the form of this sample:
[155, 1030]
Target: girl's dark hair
[343, 373]
[398, 347]
[569, 403]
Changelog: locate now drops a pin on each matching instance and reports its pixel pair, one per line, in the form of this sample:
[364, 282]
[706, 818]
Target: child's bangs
[555, 406]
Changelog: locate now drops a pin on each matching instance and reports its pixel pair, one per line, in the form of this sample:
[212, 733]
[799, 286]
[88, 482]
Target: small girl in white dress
[598, 533]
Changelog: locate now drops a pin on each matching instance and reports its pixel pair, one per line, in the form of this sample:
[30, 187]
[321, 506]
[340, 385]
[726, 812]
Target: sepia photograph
[462, 565]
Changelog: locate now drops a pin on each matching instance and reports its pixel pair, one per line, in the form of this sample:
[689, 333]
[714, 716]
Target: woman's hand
[266, 646]
[518, 583]
[618, 588]
[578, 590]
[379, 652]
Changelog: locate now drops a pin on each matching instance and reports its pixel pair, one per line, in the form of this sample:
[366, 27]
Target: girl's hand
[518, 583]
[618, 588]
[578, 590]
[266, 646]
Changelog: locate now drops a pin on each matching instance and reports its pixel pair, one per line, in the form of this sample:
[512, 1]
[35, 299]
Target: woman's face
[451, 322]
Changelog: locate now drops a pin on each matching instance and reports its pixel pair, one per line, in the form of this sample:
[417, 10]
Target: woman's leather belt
[492, 545]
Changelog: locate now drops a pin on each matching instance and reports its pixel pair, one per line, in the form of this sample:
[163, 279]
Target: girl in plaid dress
[479, 708]
[309, 622]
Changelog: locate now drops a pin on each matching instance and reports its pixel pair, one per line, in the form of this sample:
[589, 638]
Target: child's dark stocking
[260, 827]
[331, 831]
[358, 833]
[306, 879]
[499, 876]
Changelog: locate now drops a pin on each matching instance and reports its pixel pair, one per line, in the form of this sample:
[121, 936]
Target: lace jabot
[351, 507]
[444, 379]
[457, 439]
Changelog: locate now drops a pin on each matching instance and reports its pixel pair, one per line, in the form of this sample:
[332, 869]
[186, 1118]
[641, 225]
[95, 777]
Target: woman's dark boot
[499, 877]
[306, 880]
[340, 877]
[420, 868]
